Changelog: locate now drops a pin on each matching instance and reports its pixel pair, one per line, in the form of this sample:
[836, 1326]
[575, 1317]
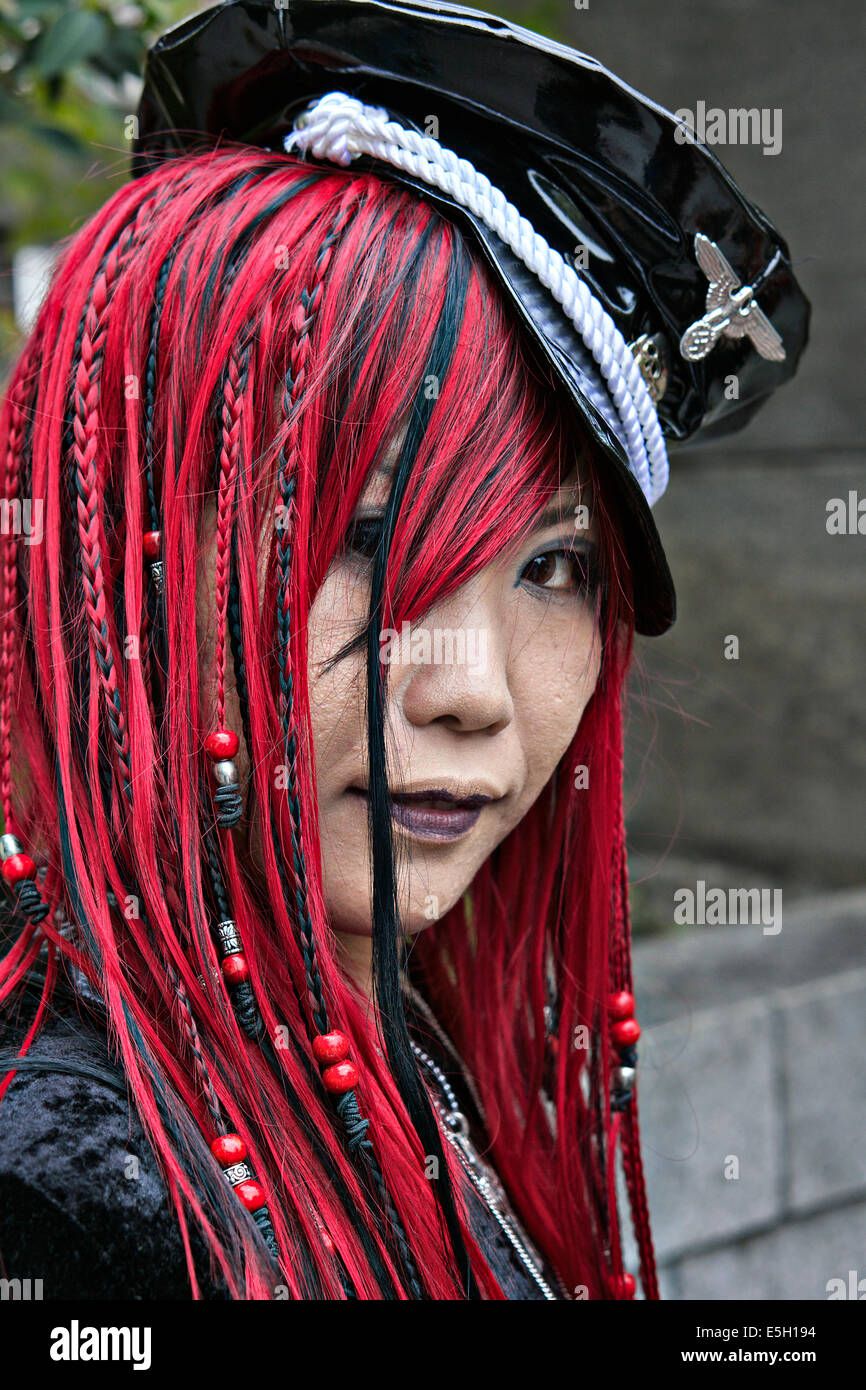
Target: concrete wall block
[709, 1107]
[806, 1259]
[825, 1041]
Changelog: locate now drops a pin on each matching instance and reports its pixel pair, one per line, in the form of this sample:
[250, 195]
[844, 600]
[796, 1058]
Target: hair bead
[228, 1149]
[340, 1078]
[19, 871]
[625, 1033]
[230, 1152]
[621, 1005]
[221, 745]
[225, 773]
[18, 867]
[330, 1047]
[251, 1194]
[151, 545]
[235, 970]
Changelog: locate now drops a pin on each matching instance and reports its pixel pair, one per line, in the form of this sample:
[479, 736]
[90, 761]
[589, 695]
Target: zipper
[484, 1180]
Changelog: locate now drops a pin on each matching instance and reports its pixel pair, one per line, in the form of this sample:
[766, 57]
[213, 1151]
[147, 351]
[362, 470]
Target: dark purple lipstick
[434, 813]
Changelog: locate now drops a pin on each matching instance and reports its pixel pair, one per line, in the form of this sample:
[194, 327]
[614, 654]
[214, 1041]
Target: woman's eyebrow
[555, 516]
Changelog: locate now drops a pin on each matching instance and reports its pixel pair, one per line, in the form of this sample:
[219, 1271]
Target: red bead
[251, 1194]
[340, 1078]
[626, 1286]
[625, 1033]
[17, 867]
[621, 1005]
[221, 744]
[152, 544]
[229, 1149]
[235, 969]
[330, 1047]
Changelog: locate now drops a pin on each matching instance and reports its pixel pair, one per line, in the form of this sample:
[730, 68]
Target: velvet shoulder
[83, 1205]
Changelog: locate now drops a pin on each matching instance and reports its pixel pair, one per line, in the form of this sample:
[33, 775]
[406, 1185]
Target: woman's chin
[418, 914]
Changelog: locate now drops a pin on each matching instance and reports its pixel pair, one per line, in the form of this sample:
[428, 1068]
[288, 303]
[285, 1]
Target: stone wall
[753, 1104]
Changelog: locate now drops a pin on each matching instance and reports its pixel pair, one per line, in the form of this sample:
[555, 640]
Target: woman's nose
[451, 665]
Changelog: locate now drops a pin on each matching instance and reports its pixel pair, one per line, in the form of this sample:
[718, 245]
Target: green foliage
[69, 75]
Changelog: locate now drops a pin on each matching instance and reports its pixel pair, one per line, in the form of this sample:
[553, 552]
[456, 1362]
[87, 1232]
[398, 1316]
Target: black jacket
[83, 1205]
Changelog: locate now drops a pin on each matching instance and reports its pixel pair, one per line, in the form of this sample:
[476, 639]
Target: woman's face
[484, 697]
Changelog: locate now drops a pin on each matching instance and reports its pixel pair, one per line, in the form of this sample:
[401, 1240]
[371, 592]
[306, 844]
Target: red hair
[246, 325]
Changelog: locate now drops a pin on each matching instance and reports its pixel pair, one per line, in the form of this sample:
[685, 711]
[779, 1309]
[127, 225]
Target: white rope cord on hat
[339, 127]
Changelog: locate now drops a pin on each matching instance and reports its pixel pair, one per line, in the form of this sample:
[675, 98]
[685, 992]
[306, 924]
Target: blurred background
[743, 772]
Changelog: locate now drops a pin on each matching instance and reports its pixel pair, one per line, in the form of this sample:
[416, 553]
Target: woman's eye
[364, 536]
[559, 571]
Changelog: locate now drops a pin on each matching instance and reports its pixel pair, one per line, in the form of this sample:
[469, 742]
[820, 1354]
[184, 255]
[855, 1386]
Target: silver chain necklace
[480, 1174]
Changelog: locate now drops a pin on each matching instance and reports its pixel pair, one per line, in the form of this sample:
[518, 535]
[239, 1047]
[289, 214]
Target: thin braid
[85, 443]
[631, 1150]
[210, 1095]
[236, 637]
[226, 796]
[8, 583]
[233, 617]
[294, 385]
[622, 965]
[24, 889]
[85, 427]
[355, 1124]
[235, 383]
[147, 641]
[243, 999]
[85, 424]
[154, 625]
[234, 623]
[222, 744]
[150, 382]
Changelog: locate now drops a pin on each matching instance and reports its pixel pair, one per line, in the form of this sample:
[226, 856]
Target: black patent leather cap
[589, 161]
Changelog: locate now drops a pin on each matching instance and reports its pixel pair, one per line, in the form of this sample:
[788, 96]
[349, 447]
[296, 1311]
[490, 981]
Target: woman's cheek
[336, 694]
[551, 687]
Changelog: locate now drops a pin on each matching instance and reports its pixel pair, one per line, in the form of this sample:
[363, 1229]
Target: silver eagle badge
[731, 311]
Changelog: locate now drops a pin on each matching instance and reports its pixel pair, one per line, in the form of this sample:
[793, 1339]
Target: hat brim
[583, 156]
[652, 584]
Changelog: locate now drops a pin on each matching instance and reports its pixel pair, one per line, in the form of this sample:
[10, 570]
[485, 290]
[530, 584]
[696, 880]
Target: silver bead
[225, 774]
[9, 845]
[238, 1172]
[156, 572]
[229, 941]
[623, 1078]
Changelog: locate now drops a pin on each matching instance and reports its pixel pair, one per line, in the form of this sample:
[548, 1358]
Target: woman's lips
[433, 815]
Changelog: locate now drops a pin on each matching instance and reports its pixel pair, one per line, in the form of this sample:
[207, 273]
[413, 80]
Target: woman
[311, 736]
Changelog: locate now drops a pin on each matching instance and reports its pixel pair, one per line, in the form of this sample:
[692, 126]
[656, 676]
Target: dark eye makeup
[365, 534]
[541, 570]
